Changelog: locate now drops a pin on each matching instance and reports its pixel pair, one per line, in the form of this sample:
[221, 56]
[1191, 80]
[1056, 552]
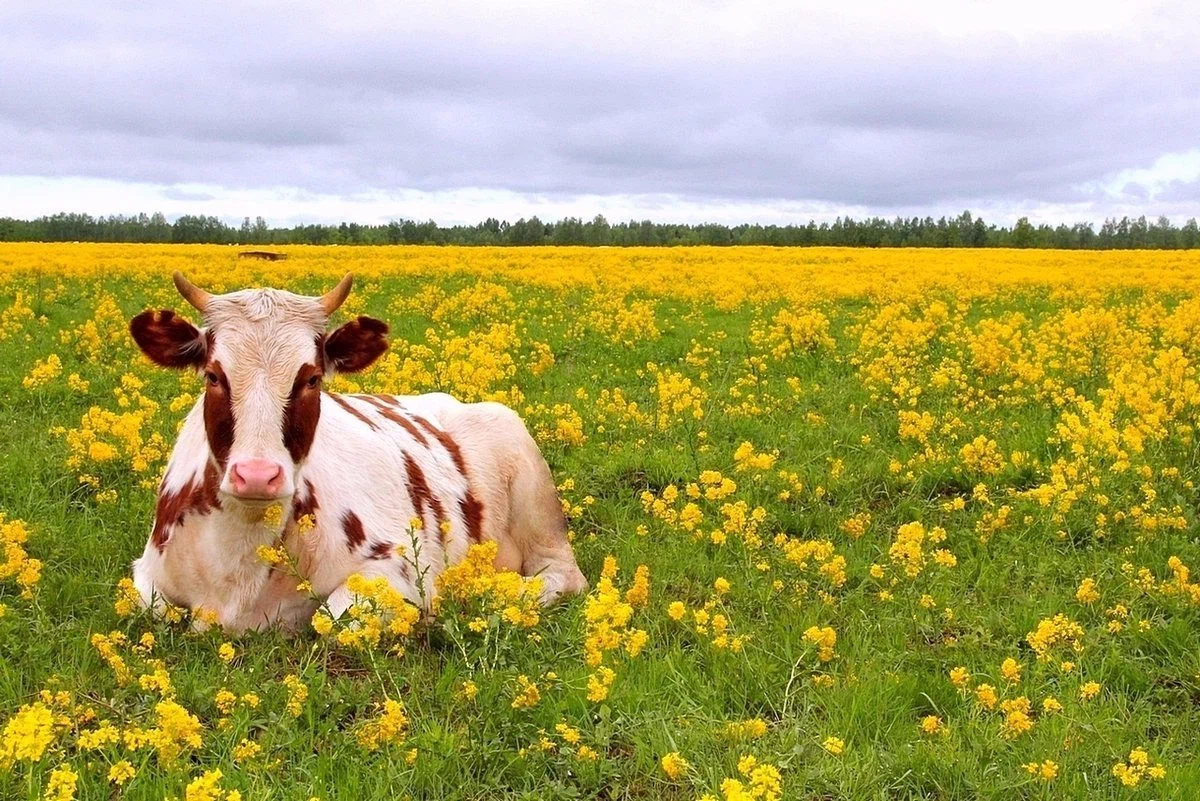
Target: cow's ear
[169, 340]
[356, 345]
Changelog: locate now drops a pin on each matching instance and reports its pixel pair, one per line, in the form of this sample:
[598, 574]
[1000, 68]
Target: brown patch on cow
[373, 400]
[204, 496]
[472, 512]
[378, 401]
[355, 536]
[356, 344]
[349, 407]
[388, 399]
[406, 424]
[470, 506]
[166, 512]
[306, 505]
[380, 550]
[218, 412]
[399, 419]
[168, 340]
[302, 412]
[419, 493]
[198, 498]
[447, 442]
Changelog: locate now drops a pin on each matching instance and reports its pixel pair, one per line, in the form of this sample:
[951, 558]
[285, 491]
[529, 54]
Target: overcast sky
[675, 111]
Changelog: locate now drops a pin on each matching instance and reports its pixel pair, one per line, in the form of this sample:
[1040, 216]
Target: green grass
[892, 659]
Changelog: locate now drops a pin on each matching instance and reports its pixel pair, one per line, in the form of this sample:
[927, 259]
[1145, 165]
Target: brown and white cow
[364, 466]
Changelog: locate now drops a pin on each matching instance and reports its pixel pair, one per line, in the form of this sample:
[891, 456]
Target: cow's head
[263, 354]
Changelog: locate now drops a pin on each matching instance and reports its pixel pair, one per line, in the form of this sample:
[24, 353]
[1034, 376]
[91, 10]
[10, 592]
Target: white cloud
[1169, 172]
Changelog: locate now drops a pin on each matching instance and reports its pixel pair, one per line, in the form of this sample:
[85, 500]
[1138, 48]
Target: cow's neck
[232, 537]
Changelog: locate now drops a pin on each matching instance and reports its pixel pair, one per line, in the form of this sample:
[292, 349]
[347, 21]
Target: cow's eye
[314, 381]
[212, 379]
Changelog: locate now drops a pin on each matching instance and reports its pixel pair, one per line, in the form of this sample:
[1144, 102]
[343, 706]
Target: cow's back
[378, 464]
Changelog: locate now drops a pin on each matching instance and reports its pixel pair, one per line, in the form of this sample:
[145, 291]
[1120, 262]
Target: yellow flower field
[857, 523]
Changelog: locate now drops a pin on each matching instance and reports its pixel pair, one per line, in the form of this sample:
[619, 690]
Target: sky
[680, 111]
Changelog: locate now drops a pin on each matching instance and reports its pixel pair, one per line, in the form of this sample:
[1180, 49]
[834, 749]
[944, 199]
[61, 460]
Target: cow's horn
[192, 293]
[335, 297]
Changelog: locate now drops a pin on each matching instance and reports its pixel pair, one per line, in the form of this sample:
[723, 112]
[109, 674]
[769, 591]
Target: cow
[349, 475]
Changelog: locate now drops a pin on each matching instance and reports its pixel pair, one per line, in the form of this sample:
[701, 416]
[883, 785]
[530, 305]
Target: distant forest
[963, 231]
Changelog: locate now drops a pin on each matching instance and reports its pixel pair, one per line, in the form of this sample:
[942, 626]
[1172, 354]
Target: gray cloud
[879, 109]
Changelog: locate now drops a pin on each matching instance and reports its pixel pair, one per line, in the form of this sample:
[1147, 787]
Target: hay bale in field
[262, 254]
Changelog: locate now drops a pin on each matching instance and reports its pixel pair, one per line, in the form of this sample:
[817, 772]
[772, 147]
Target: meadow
[862, 524]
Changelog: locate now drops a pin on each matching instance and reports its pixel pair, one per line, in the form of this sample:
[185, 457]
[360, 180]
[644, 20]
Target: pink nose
[256, 478]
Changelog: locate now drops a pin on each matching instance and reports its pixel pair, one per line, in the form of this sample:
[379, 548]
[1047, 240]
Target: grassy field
[858, 524]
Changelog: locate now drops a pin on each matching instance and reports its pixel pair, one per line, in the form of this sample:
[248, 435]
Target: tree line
[963, 231]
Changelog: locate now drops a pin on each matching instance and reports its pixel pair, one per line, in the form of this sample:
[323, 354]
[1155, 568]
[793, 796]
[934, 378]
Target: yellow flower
[176, 728]
[932, 724]
[639, 592]
[273, 516]
[1046, 770]
[129, 600]
[224, 701]
[206, 616]
[599, 683]
[1016, 718]
[121, 772]
[107, 734]
[389, 727]
[269, 555]
[1055, 632]
[763, 778]
[570, 734]
[1089, 690]
[635, 641]
[206, 787]
[246, 749]
[1138, 767]
[676, 610]
[27, 734]
[960, 677]
[527, 695]
[61, 785]
[1010, 669]
[824, 638]
[322, 623]
[1087, 593]
[297, 694]
[751, 729]
[834, 745]
[226, 652]
[674, 765]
